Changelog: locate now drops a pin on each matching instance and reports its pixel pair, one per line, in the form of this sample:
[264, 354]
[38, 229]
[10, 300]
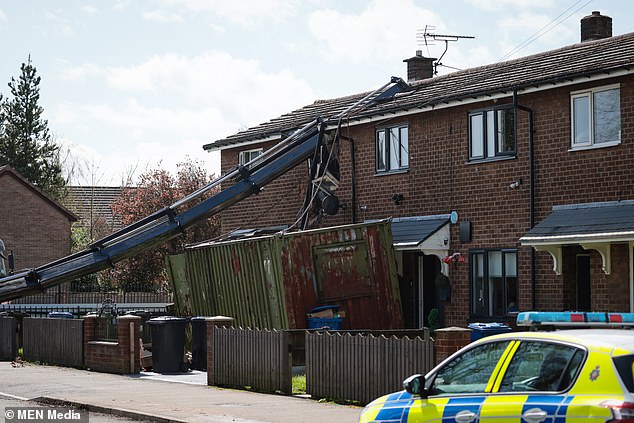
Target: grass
[299, 384]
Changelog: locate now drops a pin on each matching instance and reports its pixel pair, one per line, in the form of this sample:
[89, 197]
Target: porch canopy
[593, 226]
[426, 233]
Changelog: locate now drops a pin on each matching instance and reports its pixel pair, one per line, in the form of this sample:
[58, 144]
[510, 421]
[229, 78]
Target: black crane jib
[167, 223]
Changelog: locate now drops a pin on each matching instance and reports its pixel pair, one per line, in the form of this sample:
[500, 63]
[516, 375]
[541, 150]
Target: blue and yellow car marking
[397, 410]
[456, 405]
[555, 406]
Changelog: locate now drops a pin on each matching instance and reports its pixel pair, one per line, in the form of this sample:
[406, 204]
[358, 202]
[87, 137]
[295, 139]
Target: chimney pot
[595, 27]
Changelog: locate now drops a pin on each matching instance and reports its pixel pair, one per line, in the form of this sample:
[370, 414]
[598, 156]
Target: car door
[532, 386]
[457, 390]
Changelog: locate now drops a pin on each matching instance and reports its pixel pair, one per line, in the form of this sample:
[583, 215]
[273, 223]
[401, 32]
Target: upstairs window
[494, 290]
[492, 133]
[247, 155]
[392, 150]
[596, 117]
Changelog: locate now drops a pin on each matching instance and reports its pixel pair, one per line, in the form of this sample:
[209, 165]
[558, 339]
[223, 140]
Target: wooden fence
[260, 359]
[8, 338]
[362, 367]
[54, 341]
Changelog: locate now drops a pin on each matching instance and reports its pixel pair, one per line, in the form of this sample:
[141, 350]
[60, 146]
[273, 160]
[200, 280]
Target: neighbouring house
[34, 227]
[515, 180]
[93, 206]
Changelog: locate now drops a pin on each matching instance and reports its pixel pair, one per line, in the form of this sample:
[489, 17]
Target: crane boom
[166, 224]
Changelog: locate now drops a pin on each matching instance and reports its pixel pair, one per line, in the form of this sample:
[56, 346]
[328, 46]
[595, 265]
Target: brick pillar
[129, 335]
[449, 340]
[90, 323]
[212, 323]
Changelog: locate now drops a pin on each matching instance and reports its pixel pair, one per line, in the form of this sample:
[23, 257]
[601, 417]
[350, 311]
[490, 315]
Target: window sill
[392, 172]
[491, 159]
[594, 146]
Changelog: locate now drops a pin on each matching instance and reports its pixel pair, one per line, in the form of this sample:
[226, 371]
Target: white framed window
[491, 133]
[247, 155]
[596, 117]
[392, 149]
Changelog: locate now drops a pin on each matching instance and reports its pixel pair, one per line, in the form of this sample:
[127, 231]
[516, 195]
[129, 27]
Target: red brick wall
[276, 204]
[441, 179]
[113, 357]
[449, 340]
[37, 231]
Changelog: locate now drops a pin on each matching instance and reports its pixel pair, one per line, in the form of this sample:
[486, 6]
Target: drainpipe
[354, 177]
[531, 148]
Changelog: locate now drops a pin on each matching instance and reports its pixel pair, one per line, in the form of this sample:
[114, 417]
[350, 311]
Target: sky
[132, 85]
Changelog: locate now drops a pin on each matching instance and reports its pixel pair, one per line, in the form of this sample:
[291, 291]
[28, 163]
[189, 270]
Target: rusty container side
[352, 267]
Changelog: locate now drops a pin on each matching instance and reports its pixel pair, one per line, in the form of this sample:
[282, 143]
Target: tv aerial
[428, 37]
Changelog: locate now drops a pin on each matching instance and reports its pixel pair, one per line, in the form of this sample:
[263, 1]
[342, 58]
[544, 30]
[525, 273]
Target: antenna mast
[428, 37]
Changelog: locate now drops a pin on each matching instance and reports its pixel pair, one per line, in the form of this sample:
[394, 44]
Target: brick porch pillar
[449, 340]
[130, 342]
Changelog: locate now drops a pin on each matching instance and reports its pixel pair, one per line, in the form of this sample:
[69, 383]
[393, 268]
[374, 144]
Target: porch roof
[412, 232]
[578, 223]
[593, 226]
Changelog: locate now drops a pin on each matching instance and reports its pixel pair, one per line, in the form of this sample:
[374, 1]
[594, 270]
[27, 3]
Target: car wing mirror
[415, 385]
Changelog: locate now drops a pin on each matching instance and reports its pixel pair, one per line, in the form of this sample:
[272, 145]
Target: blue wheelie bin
[481, 330]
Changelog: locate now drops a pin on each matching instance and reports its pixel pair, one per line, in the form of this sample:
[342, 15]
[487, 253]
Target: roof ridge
[553, 66]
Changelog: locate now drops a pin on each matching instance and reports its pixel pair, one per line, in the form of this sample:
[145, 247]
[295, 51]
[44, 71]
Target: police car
[566, 375]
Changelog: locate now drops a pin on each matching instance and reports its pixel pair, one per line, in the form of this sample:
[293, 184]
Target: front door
[583, 282]
[409, 288]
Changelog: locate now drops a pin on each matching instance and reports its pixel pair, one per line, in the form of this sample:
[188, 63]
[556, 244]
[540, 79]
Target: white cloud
[82, 72]
[371, 35]
[3, 17]
[506, 5]
[59, 24]
[89, 9]
[162, 17]
[239, 87]
[245, 13]
[537, 32]
[171, 105]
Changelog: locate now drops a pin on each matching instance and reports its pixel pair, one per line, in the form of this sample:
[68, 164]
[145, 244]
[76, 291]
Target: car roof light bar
[574, 319]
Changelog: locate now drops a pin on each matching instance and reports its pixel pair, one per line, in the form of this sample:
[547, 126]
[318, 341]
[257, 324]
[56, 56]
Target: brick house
[93, 206]
[522, 167]
[33, 225]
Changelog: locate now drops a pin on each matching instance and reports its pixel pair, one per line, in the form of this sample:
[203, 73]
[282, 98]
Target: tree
[156, 190]
[25, 141]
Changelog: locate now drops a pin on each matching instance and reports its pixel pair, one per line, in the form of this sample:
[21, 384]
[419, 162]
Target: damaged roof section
[601, 57]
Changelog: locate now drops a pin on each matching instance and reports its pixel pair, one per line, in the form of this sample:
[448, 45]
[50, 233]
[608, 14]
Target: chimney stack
[595, 27]
[419, 67]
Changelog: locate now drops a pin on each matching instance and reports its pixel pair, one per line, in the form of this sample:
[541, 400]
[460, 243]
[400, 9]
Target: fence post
[8, 336]
[449, 340]
[212, 323]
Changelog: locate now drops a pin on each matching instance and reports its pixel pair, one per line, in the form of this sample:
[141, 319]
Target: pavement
[162, 398]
